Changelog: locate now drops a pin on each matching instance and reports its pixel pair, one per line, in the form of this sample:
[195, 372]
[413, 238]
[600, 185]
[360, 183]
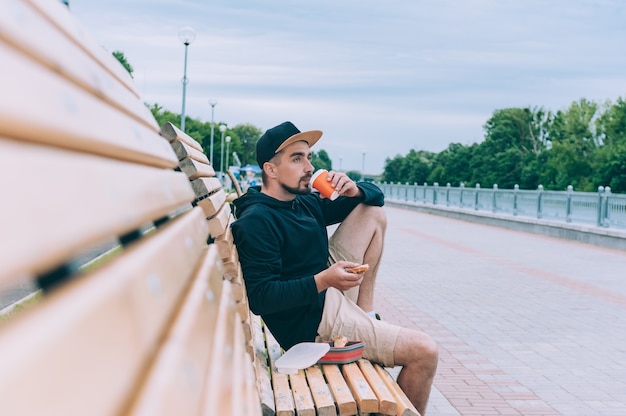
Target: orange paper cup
[320, 182]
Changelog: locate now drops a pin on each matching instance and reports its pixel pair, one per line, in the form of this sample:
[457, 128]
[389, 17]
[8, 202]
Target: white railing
[601, 208]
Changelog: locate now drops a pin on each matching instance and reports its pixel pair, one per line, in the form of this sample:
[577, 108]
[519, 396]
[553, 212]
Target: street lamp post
[363, 166]
[340, 160]
[222, 129]
[227, 150]
[186, 35]
[213, 103]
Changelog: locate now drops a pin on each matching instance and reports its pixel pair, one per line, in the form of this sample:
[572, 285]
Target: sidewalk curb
[586, 234]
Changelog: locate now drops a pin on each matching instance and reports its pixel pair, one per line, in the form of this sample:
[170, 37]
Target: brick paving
[526, 324]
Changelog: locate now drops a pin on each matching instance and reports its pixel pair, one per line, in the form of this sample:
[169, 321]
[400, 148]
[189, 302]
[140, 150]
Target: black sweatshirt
[281, 245]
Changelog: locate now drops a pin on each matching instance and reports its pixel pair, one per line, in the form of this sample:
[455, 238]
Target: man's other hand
[338, 277]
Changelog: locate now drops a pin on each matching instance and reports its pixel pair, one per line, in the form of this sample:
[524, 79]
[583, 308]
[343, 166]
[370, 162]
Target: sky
[379, 78]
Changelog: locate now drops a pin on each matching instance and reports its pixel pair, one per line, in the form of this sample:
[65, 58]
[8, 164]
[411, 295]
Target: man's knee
[416, 346]
[428, 348]
[379, 215]
[370, 213]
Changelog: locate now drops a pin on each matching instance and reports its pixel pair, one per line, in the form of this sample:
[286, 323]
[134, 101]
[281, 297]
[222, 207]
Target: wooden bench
[158, 324]
[150, 327]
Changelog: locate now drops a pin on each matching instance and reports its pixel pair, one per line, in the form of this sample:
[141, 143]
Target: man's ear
[270, 169]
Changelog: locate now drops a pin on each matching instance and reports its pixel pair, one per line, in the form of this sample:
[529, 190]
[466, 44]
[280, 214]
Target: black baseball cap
[277, 138]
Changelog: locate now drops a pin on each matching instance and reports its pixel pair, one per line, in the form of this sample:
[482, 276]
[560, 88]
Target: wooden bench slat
[301, 394]
[362, 392]
[346, 404]
[175, 383]
[47, 108]
[322, 396]
[236, 368]
[212, 205]
[232, 271]
[194, 169]
[262, 370]
[243, 385]
[204, 187]
[405, 407]
[219, 222]
[386, 402]
[238, 287]
[185, 230]
[66, 56]
[283, 397]
[242, 308]
[183, 150]
[225, 244]
[82, 198]
[173, 133]
[253, 403]
[217, 398]
[93, 336]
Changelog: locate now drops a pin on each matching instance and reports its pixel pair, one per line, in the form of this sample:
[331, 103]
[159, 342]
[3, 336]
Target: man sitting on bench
[296, 278]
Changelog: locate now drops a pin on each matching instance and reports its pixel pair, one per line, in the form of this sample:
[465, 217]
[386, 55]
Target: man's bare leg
[363, 233]
[418, 353]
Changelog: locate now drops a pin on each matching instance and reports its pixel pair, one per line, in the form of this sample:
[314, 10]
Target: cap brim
[311, 137]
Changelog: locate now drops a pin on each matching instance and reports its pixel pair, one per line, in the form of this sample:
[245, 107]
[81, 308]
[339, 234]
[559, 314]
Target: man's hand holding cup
[333, 184]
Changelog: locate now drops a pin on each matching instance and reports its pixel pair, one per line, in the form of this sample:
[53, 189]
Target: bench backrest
[85, 168]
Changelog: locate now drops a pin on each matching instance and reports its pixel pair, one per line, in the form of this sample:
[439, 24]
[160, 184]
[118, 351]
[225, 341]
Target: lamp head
[186, 34]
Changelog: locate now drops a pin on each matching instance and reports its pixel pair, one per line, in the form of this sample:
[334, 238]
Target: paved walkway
[527, 324]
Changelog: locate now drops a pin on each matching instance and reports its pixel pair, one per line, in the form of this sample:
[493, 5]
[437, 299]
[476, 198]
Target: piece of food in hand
[339, 341]
[358, 269]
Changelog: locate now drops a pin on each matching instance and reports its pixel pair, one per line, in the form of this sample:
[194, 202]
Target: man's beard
[299, 190]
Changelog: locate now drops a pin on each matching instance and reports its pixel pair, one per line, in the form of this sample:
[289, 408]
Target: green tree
[321, 160]
[248, 136]
[243, 137]
[574, 145]
[355, 175]
[498, 158]
[452, 165]
[194, 127]
[514, 137]
[122, 60]
[162, 116]
[611, 160]
[392, 171]
[609, 165]
[582, 146]
[416, 166]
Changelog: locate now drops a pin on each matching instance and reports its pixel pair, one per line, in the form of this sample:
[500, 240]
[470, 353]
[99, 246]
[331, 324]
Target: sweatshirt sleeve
[258, 246]
[373, 195]
[337, 210]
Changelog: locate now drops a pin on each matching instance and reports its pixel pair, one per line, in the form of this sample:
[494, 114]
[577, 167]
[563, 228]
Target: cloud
[382, 76]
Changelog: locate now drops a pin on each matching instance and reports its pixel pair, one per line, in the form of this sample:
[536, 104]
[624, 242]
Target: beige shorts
[337, 252]
[341, 316]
